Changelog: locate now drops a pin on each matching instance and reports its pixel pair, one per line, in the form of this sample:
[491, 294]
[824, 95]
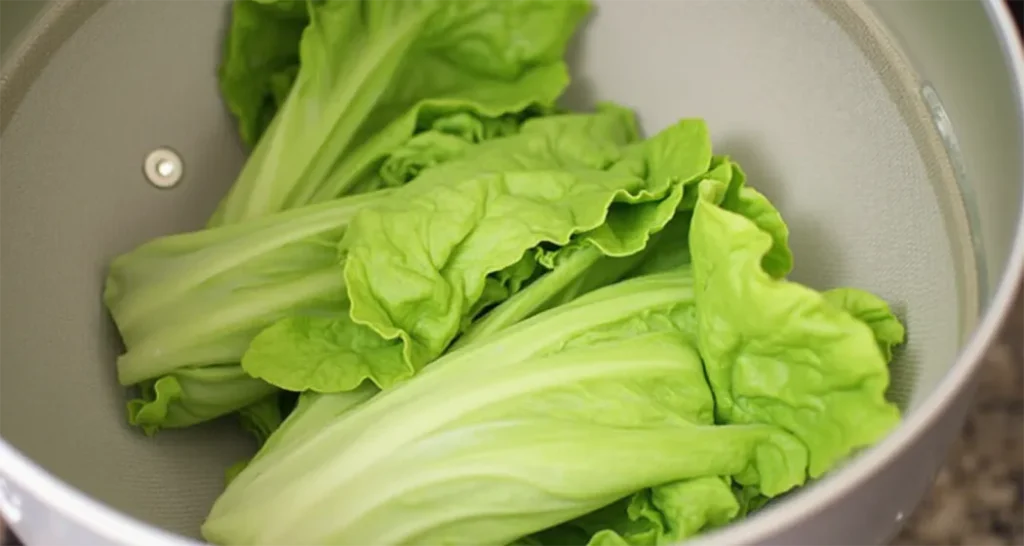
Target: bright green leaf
[373, 71]
[874, 312]
[193, 395]
[261, 59]
[777, 352]
[485, 447]
[418, 287]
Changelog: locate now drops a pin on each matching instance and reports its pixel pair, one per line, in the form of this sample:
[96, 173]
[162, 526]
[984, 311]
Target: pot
[890, 134]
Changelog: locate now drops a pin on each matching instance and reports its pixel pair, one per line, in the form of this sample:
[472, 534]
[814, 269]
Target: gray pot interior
[815, 100]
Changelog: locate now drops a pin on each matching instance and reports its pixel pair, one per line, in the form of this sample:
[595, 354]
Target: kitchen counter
[978, 498]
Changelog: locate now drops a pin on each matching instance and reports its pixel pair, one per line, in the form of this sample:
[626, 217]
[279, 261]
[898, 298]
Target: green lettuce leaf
[295, 429]
[669, 250]
[524, 304]
[778, 260]
[618, 246]
[777, 352]
[494, 441]
[193, 395]
[261, 60]
[492, 219]
[682, 509]
[646, 305]
[447, 138]
[656, 303]
[750, 499]
[371, 72]
[502, 285]
[468, 212]
[418, 264]
[198, 298]
[262, 418]
[323, 354]
[874, 312]
[665, 514]
[188, 305]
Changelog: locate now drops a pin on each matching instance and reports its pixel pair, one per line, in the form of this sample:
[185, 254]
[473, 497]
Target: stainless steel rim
[112, 526]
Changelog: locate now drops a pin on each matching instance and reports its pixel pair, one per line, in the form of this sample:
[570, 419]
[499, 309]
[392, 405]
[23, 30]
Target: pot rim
[113, 526]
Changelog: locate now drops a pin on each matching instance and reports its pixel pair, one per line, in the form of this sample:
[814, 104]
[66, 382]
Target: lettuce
[369, 74]
[666, 514]
[188, 301]
[188, 305]
[261, 61]
[710, 388]
[192, 395]
[417, 265]
[494, 441]
[774, 377]
[196, 299]
[394, 88]
[873, 311]
[778, 352]
[451, 313]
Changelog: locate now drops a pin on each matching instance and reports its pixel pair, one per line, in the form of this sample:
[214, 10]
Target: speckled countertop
[978, 498]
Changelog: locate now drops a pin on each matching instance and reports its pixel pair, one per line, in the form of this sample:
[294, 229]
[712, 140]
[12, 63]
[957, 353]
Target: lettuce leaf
[655, 303]
[874, 312]
[491, 220]
[672, 512]
[193, 395]
[188, 305]
[660, 231]
[484, 446]
[666, 514]
[371, 72]
[274, 434]
[524, 304]
[712, 383]
[777, 352]
[446, 138]
[262, 417]
[197, 299]
[261, 61]
[418, 264]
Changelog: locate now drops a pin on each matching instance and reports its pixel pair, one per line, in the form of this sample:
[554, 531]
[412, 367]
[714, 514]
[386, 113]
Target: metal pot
[890, 134]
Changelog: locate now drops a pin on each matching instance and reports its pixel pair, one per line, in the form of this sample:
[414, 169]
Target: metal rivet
[10, 504]
[163, 168]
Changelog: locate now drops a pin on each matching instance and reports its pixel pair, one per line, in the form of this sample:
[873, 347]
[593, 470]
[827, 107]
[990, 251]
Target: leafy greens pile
[455, 313]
